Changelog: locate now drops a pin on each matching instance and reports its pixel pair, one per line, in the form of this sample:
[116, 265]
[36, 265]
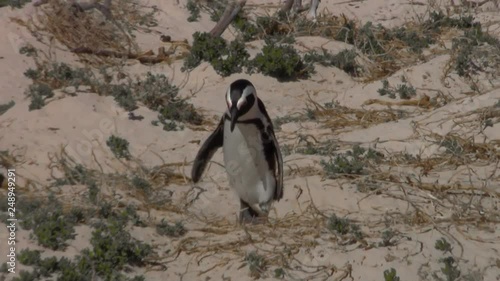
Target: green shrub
[49, 223]
[280, 61]
[119, 147]
[5, 107]
[225, 59]
[345, 60]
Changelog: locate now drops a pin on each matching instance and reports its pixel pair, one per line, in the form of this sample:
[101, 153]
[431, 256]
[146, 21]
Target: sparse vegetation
[345, 60]
[450, 269]
[112, 249]
[154, 91]
[344, 226]
[387, 238]
[176, 230]
[353, 162]
[38, 93]
[141, 184]
[13, 3]
[405, 91]
[405, 187]
[256, 264]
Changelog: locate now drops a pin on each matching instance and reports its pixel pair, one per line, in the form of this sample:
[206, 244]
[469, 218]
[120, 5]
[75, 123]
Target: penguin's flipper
[278, 194]
[207, 150]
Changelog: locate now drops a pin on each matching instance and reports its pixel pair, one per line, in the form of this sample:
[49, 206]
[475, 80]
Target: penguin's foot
[248, 215]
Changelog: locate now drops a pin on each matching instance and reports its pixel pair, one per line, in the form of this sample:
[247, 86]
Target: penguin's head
[240, 98]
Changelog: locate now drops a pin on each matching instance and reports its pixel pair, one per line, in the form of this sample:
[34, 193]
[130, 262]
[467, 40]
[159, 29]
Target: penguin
[252, 155]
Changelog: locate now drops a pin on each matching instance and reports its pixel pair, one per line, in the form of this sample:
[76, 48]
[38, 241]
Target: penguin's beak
[234, 117]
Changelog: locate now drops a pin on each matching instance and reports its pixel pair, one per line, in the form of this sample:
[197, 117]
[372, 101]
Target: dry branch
[229, 14]
[105, 8]
[145, 58]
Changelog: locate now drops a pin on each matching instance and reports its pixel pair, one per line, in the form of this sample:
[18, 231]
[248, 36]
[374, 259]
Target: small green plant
[176, 230]
[38, 93]
[194, 10]
[343, 226]
[256, 263]
[28, 50]
[352, 162]
[158, 94]
[122, 94]
[390, 275]
[387, 238]
[279, 273]
[6, 106]
[403, 90]
[452, 146]
[119, 147]
[171, 126]
[443, 245]
[450, 269]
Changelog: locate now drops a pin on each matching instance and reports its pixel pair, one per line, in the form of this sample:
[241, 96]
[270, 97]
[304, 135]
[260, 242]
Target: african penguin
[252, 156]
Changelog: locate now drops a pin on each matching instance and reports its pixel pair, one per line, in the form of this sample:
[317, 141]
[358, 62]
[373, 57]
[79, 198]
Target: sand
[296, 239]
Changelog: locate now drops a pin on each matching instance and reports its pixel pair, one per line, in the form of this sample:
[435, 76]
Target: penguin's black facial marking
[247, 105]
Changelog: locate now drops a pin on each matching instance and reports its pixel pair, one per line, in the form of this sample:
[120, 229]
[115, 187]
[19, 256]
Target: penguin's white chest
[246, 164]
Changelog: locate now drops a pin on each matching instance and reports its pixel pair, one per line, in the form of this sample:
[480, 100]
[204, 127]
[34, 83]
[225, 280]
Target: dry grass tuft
[346, 119]
[91, 29]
